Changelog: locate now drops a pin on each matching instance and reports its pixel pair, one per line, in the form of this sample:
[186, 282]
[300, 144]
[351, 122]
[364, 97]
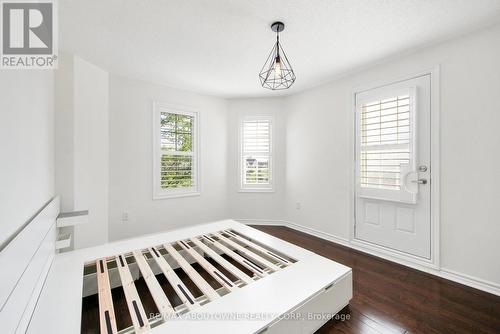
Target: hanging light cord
[278, 44]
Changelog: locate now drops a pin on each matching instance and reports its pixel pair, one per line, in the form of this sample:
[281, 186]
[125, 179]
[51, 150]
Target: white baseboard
[268, 222]
[320, 234]
[471, 281]
[474, 282]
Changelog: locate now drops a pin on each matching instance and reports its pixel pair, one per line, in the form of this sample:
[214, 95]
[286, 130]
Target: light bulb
[277, 68]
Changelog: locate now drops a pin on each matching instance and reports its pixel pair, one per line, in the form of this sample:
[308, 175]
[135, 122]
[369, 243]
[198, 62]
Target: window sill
[178, 195]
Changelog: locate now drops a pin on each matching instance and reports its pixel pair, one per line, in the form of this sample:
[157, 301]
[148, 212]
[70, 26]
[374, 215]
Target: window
[385, 144]
[256, 154]
[175, 167]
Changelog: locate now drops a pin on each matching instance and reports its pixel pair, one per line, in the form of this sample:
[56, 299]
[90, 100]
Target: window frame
[402, 195]
[158, 192]
[259, 188]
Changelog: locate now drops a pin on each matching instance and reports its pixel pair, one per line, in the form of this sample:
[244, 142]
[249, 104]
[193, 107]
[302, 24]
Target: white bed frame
[295, 291]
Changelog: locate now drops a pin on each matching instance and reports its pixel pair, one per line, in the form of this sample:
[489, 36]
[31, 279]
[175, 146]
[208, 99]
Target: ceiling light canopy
[277, 73]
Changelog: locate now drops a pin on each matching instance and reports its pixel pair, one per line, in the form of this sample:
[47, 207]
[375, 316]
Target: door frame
[385, 252]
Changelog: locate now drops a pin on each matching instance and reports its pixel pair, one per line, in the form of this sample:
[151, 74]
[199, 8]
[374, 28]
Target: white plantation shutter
[256, 154]
[386, 145]
[176, 159]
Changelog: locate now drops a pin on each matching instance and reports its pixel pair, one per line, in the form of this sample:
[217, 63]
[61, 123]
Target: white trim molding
[264, 222]
[475, 282]
[471, 281]
[320, 234]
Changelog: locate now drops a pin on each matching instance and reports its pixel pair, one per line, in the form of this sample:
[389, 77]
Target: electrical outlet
[125, 217]
[298, 206]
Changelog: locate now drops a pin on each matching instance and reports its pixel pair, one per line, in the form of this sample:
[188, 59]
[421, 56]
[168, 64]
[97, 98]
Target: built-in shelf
[63, 241]
[72, 218]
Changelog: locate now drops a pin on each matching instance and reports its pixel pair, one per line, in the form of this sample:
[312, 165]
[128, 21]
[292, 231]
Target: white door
[393, 167]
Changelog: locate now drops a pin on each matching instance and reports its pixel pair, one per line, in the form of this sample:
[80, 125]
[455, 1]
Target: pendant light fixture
[277, 73]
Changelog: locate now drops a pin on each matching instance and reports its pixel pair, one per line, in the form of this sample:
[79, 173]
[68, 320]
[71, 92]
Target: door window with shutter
[385, 144]
[175, 145]
[256, 154]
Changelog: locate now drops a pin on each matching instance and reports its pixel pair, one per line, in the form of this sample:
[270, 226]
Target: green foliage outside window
[256, 171]
[177, 146]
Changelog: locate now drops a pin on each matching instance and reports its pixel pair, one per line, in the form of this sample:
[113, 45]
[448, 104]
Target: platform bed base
[309, 316]
[221, 277]
[214, 264]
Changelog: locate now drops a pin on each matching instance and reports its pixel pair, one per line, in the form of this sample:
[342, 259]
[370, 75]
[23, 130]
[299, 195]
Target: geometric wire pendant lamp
[277, 73]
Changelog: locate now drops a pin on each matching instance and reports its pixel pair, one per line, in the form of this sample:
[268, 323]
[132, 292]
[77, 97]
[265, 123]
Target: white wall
[64, 129]
[91, 151]
[314, 152]
[320, 136]
[27, 146]
[82, 129]
[131, 161]
[248, 205]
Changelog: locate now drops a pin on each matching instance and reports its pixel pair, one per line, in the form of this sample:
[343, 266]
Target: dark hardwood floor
[388, 298]
[391, 298]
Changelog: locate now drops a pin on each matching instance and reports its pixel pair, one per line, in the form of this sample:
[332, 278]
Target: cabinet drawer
[316, 311]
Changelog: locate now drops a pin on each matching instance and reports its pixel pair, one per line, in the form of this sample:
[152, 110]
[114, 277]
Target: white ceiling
[217, 47]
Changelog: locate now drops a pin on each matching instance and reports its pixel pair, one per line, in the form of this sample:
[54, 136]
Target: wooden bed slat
[222, 254]
[106, 309]
[238, 258]
[159, 297]
[135, 308]
[192, 273]
[180, 289]
[247, 252]
[259, 248]
[214, 272]
[222, 261]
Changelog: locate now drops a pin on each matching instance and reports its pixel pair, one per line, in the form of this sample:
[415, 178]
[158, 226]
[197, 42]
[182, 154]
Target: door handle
[419, 181]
